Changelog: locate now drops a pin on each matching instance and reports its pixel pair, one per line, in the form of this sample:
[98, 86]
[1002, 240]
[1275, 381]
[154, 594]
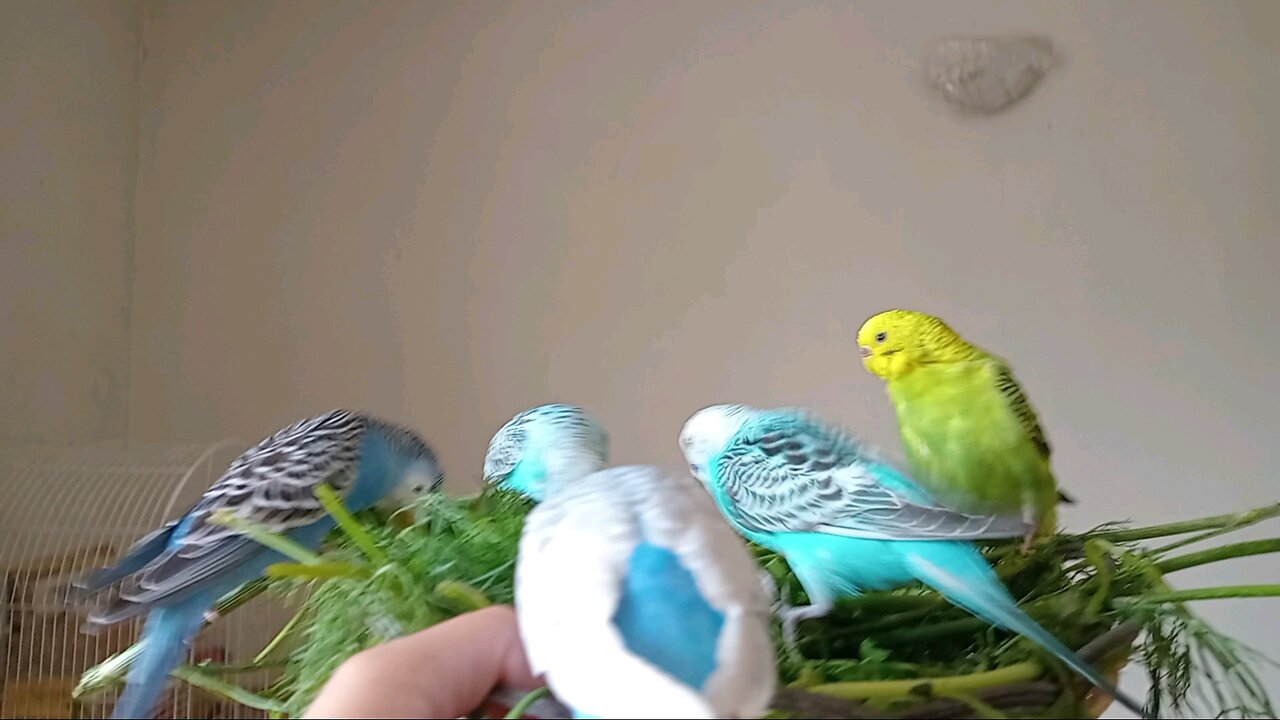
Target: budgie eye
[881, 336]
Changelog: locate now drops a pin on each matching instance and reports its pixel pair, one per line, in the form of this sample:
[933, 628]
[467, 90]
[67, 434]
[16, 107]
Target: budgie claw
[770, 587]
[779, 598]
[789, 641]
[791, 617]
[211, 616]
[781, 601]
[1031, 517]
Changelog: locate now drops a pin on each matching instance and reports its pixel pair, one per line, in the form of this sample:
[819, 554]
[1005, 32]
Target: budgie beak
[879, 365]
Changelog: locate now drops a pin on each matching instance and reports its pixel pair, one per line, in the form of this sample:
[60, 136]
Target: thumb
[446, 670]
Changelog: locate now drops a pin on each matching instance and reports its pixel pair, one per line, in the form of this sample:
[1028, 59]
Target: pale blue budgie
[509, 463]
[634, 597]
[176, 573]
[847, 520]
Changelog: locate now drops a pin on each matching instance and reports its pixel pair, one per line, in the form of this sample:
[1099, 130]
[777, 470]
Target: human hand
[444, 671]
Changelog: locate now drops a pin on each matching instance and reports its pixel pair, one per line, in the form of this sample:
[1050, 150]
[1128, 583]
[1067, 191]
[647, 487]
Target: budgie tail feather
[165, 637]
[137, 556]
[978, 590]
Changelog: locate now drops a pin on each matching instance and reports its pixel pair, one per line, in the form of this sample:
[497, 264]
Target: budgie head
[544, 445]
[707, 431]
[419, 467]
[894, 342]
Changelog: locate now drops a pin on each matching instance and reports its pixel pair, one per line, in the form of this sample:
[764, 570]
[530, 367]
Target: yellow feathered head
[894, 342]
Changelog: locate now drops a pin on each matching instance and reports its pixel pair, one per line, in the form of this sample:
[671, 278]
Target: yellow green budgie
[967, 429]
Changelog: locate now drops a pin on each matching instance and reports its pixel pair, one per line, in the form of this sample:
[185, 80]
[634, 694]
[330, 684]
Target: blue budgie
[634, 597]
[176, 573]
[847, 520]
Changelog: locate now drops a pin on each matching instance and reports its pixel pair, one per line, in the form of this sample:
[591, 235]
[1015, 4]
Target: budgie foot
[791, 616]
[1032, 520]
[780, 605]
[770, 587]
[211, 616]
[1028, 541]
[779, 597]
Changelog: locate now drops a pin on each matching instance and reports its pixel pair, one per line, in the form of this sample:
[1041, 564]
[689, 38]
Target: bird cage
[68, 510]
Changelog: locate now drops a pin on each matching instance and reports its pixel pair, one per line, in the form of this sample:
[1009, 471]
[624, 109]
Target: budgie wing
[792, 473]
[1016, 400]
[272, 483]
[1011, 392]
[574, 556]
[676, 513]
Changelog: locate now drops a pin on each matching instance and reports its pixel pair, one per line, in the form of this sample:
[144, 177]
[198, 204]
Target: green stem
[929, 632]
[1208, 593]
[221, 669]
[1230, 520]
[317, 571]
[907, 617]
[352, 527]
[279, 638]
[1246, 519]
[217, 686]
[883, 604]
[1224, 552]
[265, 536]
[518, 710]
[1096, 554]
[1191, 540]
[106, 674]
[921, 633]
[112, 671]
[461, 596]
[241, 595]
[1136, 562]
[981, 709]
[893, 689]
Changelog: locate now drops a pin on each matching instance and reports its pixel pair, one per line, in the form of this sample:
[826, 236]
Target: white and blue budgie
[635, 599]
[176, 573]
[848, 521]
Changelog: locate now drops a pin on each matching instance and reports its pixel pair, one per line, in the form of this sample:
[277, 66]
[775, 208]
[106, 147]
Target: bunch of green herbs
[885, 651]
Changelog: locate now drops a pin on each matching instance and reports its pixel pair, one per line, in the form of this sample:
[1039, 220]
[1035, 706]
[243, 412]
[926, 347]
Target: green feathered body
[971, 437]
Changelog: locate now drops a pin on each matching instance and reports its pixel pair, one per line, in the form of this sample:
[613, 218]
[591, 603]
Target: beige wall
[68, 152]
[446, 212]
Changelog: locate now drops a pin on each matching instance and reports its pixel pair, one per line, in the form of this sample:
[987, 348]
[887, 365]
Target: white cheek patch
[417, 483]
[412, 486]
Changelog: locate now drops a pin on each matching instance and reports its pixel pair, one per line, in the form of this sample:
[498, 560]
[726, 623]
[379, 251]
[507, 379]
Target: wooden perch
[1027, 695]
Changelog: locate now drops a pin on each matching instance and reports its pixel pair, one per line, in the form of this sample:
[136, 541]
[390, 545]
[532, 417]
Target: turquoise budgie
[176, 573]
[634, 597]
[848, 521]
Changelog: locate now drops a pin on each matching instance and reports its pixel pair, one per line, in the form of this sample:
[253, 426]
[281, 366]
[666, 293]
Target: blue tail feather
[960, 573]
[164, 637]
[142, 552]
